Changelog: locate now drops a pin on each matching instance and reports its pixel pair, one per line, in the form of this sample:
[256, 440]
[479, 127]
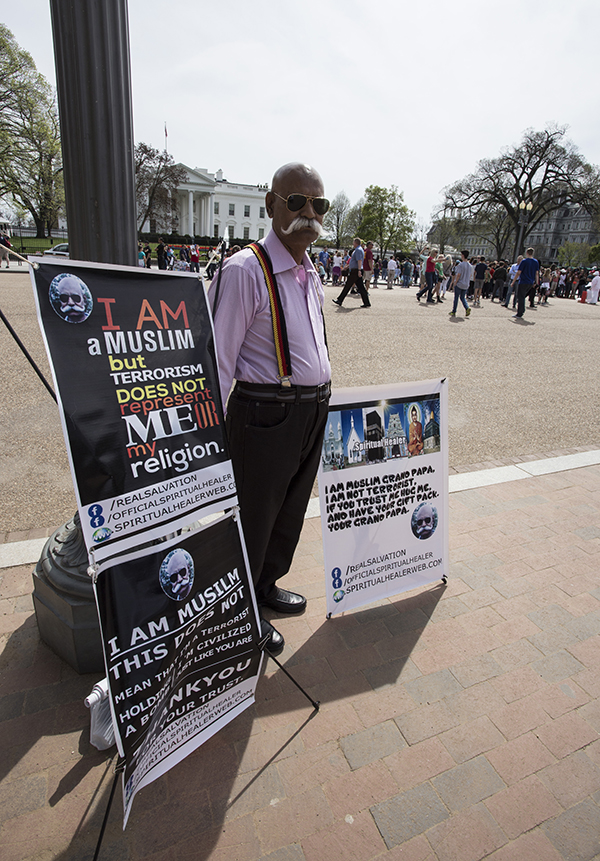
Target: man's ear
[269, 201]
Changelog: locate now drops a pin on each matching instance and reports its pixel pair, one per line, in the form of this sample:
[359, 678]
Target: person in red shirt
[429, 277]
[194, 258]
[368, 265]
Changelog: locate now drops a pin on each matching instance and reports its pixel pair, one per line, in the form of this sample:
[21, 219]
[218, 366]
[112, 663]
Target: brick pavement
[457, 723]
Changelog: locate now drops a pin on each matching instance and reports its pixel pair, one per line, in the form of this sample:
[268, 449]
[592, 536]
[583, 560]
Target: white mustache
[300, 223]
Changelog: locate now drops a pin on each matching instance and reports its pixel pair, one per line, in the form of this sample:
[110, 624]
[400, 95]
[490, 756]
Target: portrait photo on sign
[382, 431]
[424, 520]
[176, 574]
[70, 297]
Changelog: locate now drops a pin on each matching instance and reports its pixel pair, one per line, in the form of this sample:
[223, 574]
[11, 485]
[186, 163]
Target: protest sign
[179, 629]
[133, 362]
[383, 490]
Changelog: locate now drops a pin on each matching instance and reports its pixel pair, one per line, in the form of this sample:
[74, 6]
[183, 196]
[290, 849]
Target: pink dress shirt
[243, 325]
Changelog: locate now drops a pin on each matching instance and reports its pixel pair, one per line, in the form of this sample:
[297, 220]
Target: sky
[382, 93]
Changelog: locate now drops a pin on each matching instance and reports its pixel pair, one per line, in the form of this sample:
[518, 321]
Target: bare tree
[544, 170]
[420, 236]
[494, 228]
[157, 178]
[336, 218]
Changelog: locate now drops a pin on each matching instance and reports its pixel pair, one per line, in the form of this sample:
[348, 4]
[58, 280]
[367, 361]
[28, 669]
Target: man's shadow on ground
[235, 772]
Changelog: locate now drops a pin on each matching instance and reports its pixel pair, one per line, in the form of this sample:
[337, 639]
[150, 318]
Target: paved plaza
[457, 722]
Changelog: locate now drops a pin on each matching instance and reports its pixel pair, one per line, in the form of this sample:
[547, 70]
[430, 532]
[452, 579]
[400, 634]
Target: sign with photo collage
[383, 490]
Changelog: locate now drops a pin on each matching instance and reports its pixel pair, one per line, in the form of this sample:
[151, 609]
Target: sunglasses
[296, 202]
[182, 574]
[65, 297]
[423, 521]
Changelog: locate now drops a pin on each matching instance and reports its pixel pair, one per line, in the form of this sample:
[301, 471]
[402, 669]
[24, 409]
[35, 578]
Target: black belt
[288, 394]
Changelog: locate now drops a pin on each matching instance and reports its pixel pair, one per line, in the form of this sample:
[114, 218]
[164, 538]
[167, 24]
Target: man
[424, 521]
[177, 578]
[415, 434]
[368, 265]
[500, 276]
[5, 246]
[407, 269]
[324, 260]
[480, 270]
[275, 423]
[429, 277]
[71, 301]
[391, 272]
[194, 258]
[354, 278]
[593, 289]
[511, 278]
[460, 282]
[160, 254]
[528, 276]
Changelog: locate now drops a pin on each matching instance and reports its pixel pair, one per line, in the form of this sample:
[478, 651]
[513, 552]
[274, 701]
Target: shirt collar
[281, 258]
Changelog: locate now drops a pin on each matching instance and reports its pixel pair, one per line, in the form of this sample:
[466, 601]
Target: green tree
[545, 169]
[336, 218]
[157, 178]
[30, 153]
[594, 255]
[386, 219]
[574, 254]
[354, 222]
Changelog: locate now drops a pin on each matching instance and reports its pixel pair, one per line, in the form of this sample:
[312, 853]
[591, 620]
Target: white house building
[211, 206]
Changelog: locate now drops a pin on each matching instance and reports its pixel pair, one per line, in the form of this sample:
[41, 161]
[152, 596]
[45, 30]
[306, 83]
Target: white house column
[211, 214]
[207, 205]
[201, 215]
[190, 229]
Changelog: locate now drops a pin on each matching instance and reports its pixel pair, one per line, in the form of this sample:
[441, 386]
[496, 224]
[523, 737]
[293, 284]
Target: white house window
[216, 207]
[246, 233]
[262, 212]
[232, 208]
[216, 233]
[246, 212]
[230, 231]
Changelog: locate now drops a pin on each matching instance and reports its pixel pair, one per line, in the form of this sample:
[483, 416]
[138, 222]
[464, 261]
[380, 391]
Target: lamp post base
[64, 603]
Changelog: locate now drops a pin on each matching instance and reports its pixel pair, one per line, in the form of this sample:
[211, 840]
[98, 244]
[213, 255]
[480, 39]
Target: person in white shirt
[593, 288]
[391, 272]
[336, 269]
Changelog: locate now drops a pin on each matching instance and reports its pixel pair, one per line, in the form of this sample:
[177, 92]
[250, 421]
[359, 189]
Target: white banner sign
[383, 489]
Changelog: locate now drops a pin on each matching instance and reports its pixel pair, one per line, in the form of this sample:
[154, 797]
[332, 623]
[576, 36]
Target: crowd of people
[357, 271]
[183, 258]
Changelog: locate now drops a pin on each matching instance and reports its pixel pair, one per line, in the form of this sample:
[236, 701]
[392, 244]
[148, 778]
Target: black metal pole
[91, 51]
[27, 355]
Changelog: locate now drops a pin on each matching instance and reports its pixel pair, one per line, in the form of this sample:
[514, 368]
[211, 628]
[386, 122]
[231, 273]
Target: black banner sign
[132, 354]
[179, 628]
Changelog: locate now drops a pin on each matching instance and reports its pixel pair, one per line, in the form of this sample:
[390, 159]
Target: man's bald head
[299, 228]
[292, 171]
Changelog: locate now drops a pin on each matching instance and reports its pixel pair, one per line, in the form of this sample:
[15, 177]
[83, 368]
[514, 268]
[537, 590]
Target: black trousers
[523, 291]
[275, 449]
[352, 280]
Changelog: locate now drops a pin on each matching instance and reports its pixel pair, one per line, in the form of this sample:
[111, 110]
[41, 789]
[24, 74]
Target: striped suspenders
[282, 347]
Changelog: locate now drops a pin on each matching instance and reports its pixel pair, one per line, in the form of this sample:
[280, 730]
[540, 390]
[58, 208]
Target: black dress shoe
[285, 602]
[275, 642]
